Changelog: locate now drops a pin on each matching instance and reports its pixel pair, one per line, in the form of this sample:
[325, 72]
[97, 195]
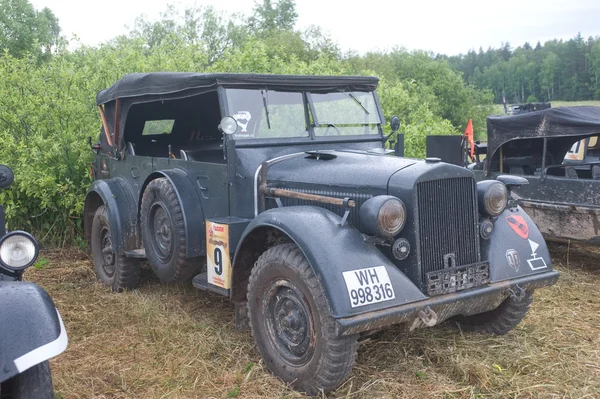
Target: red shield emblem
[519, 225]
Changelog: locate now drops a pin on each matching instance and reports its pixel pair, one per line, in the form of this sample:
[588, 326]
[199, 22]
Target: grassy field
[172, 341]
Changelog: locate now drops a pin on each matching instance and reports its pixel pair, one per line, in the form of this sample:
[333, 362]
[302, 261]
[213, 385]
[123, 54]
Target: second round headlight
[493, 197]
[383, 215]
[18, 250]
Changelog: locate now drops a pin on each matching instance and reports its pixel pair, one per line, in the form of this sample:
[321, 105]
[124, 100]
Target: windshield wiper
[352, 96]
[265, 104]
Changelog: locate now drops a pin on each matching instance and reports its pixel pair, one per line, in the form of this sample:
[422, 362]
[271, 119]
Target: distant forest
[557, 70]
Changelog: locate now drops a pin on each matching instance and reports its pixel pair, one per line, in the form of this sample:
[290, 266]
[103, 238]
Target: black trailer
[557, 151]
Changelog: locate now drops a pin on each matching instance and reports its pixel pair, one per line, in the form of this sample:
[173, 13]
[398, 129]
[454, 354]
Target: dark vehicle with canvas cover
[557, 151]
[31, 330]
[282, 186]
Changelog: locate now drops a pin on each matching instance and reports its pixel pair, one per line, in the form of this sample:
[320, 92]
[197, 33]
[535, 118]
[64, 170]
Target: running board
[136, 253]
[201, 282]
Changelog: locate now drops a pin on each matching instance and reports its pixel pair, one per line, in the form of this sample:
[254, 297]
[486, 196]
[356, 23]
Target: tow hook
[426, 316]
[517, 294]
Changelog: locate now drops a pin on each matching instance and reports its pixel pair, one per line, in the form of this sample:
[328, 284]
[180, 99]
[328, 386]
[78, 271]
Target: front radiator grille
[447, 217]
[353, 218]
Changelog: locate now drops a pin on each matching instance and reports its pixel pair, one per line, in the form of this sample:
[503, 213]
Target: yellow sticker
[218, 263]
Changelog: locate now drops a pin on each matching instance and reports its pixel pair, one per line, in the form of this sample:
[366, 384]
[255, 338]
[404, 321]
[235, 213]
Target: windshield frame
[309, 111]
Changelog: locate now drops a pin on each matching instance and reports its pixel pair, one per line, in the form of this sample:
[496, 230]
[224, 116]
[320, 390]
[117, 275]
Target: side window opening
[188, 125]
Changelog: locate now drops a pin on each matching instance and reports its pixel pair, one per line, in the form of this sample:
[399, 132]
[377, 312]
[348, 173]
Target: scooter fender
[516, 247]
[341, 259]
[31, 329]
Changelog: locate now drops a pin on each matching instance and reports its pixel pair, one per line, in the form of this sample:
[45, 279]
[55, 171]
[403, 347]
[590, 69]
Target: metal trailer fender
[31, 329]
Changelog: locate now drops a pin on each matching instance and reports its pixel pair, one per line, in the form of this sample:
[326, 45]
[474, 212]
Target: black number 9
[218, 261]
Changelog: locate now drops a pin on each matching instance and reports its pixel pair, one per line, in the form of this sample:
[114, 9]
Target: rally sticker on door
[370, 285]
[218, 264]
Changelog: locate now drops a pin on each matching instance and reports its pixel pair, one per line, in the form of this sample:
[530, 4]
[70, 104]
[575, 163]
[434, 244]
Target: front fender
[331, 250]
[516, 247]
[193, 216]
[122, 213]
[31, 330]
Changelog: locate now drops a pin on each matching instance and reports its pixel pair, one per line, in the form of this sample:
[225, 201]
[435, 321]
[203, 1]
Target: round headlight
[383, 215]
[18, 250]
[493, 197]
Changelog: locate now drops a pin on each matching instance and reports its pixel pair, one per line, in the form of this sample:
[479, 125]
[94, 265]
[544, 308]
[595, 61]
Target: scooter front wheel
[33, 383]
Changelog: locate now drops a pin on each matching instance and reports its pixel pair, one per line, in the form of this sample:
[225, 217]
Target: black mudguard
[516, 247]
[331, 250]
[122, 211]
[31, 330]
[193, 216]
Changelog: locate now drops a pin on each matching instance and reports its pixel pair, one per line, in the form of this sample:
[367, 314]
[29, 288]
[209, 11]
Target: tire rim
[289, 322]
[107, 252]
[162, 227]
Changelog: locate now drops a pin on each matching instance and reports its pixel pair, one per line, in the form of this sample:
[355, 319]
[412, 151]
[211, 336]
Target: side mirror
[228, 125]
[6, 176]
[395, 124]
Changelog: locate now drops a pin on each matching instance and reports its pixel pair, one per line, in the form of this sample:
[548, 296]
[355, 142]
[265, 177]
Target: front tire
[33, 383]
[292, 324]
[114, 270]
[163, 233]
[500, 320]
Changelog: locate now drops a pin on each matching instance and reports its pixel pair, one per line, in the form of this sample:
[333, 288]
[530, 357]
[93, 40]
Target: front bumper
[473, 301]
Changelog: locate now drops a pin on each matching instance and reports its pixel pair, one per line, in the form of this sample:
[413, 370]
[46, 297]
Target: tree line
[557, 70]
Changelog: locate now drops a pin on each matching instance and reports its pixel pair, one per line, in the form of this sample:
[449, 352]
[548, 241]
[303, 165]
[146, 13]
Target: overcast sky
[441, 26]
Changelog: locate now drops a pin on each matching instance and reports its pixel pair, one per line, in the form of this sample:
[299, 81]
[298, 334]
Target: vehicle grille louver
[447, 217]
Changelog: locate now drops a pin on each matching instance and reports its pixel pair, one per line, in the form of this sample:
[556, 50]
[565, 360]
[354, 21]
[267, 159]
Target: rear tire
[292, 324]
[33, 383]
[500, 320]
[114, 270]
[163, 233]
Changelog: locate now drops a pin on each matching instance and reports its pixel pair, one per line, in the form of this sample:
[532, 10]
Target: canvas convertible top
[552, 122]
[159, 84]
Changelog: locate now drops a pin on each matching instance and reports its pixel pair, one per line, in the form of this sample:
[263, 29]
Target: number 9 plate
[367, 286]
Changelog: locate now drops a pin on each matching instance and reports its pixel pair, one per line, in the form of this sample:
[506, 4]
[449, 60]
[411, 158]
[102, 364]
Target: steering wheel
[329, 126]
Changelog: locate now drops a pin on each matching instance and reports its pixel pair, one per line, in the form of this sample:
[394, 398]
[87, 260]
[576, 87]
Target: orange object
[469, 135]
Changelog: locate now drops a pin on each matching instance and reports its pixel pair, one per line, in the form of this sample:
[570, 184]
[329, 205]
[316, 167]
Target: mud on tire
[163, 233]
[113, 269]
[292, 324]
[500, 320]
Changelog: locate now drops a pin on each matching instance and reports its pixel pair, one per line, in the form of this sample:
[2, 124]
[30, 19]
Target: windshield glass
[345, 113]
[267, 114]
[263, 114]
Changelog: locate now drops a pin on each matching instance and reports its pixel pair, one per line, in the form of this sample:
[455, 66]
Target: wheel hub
[162, 227]
[108, 254]
[289, 323]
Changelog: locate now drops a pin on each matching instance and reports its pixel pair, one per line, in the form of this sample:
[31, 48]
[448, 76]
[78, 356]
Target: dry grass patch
[173, 341]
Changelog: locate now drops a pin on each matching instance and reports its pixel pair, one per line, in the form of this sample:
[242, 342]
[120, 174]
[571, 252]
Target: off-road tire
[283, 272]
[500, 320]
[33, 383]
[163, 233]
[112, 269]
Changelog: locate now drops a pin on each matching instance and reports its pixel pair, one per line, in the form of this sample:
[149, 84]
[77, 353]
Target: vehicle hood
[352, 169]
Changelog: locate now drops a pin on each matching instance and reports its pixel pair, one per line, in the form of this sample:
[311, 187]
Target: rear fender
[118, 198]
[31, 330]
[331, 250]
[516, 247]
[193, 216]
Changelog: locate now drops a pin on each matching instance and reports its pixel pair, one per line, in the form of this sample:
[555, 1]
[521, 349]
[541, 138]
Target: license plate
[367, 286]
